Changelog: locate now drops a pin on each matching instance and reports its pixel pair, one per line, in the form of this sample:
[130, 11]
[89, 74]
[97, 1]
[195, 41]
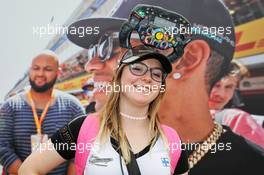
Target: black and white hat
[103, 25]
[204, 14]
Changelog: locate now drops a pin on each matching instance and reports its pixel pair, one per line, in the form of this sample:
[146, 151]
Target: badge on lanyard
[38, 138]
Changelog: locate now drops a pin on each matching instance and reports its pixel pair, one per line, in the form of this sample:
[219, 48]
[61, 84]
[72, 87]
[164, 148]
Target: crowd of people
[178, 127]
[72, 67]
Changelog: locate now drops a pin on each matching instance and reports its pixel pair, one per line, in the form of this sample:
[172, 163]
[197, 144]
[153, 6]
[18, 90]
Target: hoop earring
[177, 75]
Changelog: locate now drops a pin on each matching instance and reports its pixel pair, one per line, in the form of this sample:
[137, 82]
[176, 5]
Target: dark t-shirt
[69, 134]
[239, 157]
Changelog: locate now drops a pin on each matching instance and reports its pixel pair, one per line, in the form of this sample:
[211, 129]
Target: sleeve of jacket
[7, 152]
[77, 108]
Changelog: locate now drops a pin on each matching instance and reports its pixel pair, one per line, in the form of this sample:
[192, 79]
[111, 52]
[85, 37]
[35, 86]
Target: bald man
[31, 117]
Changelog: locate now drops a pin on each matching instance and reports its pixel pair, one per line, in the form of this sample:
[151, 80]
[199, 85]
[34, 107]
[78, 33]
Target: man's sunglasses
[105, 48]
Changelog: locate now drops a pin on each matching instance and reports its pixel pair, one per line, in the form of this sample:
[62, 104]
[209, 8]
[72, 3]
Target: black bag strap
[132, 166]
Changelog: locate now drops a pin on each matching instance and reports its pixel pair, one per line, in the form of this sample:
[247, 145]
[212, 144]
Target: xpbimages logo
[55, 29]
[199, 29]
[212, 147]
[144, 89]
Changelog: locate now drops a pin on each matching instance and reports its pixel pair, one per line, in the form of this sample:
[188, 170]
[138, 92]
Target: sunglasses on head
[105, 48]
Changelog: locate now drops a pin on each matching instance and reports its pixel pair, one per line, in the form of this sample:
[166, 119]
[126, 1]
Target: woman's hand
[41, 161]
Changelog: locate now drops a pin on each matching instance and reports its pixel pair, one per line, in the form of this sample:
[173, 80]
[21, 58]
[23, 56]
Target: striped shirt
[17, 125]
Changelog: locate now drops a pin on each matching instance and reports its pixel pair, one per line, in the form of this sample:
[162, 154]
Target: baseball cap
[203, 14]
[102, 43]
[104, 25]
[141, 52]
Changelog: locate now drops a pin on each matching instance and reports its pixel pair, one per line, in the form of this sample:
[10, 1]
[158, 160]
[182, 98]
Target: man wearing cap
[185, 106]
[213, 149]
[103, 54]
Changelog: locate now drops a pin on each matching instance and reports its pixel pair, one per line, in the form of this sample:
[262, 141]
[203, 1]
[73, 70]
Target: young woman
[126, 137]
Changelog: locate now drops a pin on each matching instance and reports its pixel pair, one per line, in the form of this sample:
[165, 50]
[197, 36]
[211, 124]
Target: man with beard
[34, 115]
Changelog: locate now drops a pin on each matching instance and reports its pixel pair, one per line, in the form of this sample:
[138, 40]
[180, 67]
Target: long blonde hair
[110, 122]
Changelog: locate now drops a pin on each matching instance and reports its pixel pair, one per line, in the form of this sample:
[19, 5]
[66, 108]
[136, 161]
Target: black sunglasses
[105, 48]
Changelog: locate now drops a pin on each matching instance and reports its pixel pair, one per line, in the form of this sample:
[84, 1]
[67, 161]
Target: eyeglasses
[140, 69]
[104, 49]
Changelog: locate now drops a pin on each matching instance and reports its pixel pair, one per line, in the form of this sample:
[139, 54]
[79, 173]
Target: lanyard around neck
[38, 121]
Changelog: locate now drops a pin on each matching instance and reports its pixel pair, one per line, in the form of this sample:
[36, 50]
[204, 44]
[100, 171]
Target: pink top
[90, 129]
